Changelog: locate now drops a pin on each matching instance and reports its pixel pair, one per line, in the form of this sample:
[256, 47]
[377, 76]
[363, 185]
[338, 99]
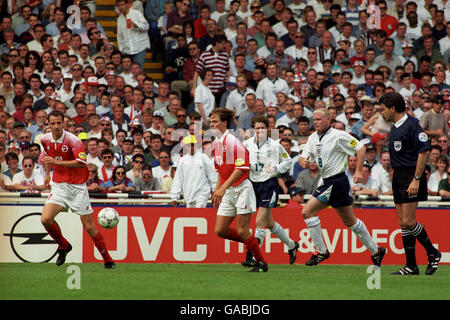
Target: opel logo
[27, 239]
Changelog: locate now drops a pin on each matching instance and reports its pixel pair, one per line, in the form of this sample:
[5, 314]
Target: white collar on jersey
[60, 140]
[401, 121]
[223, 136]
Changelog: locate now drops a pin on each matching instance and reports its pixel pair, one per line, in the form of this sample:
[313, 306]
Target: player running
[409, 148]
[65, 153]
[234, 193]
[330, 148]
[268, 158]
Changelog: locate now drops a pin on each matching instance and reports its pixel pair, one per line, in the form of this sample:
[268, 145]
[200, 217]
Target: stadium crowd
[281, 59]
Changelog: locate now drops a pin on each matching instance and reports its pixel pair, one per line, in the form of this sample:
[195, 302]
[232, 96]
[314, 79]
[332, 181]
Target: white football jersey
[330, 151]
[269, 154]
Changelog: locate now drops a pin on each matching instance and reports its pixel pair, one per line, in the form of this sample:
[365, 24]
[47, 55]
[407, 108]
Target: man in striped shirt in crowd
[217, 60]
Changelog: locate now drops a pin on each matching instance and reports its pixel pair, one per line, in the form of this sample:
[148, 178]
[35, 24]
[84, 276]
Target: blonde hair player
[330, 148]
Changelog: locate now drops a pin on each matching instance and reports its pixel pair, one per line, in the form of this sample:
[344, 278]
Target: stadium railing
[159, 197]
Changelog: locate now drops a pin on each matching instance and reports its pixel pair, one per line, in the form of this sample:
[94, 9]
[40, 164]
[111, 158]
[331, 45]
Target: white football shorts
[72, 196]
[240, 199]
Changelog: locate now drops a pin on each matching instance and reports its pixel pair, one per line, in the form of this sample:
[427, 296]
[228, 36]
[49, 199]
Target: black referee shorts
[401, 181]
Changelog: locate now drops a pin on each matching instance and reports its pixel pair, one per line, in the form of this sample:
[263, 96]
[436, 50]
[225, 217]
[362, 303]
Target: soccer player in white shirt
[268, 158]
[269, 87]
[330, 148]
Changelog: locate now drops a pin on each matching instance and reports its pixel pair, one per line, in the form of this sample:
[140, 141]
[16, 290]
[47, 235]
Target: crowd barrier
[164, 234]
[160, 197]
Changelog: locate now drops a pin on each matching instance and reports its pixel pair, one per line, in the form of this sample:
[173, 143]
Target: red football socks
[233, 235]
[101, 246]
[251, 243]
[55, 232]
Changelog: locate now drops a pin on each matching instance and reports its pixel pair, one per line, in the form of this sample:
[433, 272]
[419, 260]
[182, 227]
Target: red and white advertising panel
[168, 235]
[177, 235]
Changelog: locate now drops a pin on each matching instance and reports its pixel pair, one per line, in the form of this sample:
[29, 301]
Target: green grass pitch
[215, 282]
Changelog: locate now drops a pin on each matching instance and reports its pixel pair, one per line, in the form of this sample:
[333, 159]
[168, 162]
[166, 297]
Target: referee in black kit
[408, 148]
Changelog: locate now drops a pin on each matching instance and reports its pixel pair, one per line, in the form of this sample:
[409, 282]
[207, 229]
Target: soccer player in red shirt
[65, 153]
[234, 193]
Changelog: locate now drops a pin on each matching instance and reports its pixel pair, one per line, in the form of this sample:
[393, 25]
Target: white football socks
[315, 231]
[282, 235]
[359, 228]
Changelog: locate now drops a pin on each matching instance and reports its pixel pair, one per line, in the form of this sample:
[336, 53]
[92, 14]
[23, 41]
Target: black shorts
[335, 191]
[266, 193]
[401, 181]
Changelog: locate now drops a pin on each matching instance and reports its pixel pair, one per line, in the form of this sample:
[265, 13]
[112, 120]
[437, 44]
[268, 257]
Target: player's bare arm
[420, 167]
[360, 155]
[69, 163]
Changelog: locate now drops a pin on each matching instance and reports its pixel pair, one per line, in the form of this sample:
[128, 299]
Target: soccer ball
[108, 218]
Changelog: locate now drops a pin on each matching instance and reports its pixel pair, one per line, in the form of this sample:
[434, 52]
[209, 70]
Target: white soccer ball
[108, 218]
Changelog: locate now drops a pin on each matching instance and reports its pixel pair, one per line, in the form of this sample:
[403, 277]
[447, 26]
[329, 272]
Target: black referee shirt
[406, 142]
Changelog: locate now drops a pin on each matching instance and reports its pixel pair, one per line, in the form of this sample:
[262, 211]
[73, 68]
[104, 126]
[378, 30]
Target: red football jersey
[68, 147]
[230, 154]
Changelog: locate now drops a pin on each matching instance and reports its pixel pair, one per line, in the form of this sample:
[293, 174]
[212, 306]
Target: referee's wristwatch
[417, 177]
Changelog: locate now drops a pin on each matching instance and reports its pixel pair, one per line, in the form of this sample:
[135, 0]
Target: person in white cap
[66, 92]
[195, 176]
[407, 48]
[91, 95]
[358, 75]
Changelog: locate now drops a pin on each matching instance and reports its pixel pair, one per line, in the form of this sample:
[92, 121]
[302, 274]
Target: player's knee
[260, 223]
[243, 233]
[46, 222]
[306, 214]
[220, 232]
[406, 223]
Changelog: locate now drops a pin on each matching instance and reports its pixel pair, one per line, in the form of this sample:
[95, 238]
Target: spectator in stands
[147, 182]
[368, 185]
[220, 65]
[94, 184]
[176, 20]
[162, 171]
[380, 173]
[181, 119]
[438, 175]
[433, 121]
[204, 99]
[106, 170]
[297, 197]
[136, 171]
[28, 180]
[132, 36]
[12, 160]
[367, 111]
[444, 185]
[443, 143]
[119, 182]
[308, 179]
